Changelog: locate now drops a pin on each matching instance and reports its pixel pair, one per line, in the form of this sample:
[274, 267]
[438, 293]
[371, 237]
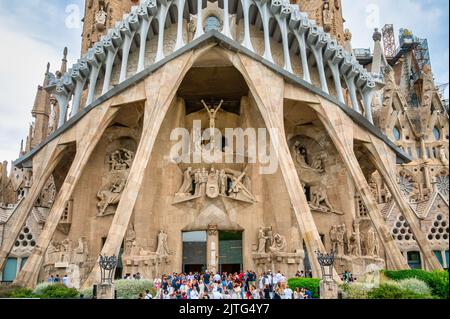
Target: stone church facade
[359, 170]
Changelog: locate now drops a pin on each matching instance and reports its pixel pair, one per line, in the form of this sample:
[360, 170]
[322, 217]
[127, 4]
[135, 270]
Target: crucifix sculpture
[212, 112]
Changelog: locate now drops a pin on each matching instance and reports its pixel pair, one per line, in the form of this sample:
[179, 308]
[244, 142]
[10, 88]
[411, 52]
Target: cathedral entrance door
[194, 251]
[230, 252]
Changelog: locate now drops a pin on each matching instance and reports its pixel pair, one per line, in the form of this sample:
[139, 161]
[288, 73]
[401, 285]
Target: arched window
[396, 133]
[212, 23]
[437, 134]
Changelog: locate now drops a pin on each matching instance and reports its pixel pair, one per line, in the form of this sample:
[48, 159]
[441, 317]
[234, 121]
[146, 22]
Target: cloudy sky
[34, 32]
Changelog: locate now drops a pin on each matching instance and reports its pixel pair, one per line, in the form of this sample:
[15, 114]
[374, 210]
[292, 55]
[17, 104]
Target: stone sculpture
[162, 248]
[214, 183]
[279, 244]
[111, 195]
[319, 202]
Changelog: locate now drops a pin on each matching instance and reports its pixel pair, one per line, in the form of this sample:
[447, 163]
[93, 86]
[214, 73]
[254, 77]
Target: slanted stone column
[160, 88]
[99, 120]
[379, 156]
[267, 90]
[340, 129]
[42, 170]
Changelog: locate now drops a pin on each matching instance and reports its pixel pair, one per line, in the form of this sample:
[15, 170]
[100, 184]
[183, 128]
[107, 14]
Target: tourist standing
[65, 280]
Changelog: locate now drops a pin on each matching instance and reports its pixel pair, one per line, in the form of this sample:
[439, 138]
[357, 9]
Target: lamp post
[108, 266]
[326, 262]
[328, 287]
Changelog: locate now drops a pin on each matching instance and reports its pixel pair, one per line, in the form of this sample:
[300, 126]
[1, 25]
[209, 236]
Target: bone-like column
[128, 29]
[95, 58]
[378, 153]
[351, 85]
[264, 12]
[161, 88]
[339, 129]
[162, 16]
[300, 34]
[62, 97]
[42, 170]
[199, 30]
[246, 12]
[367, 92]
[226, 20]
[147, 10]
[79, 75]
[180, 41]
[110, 57]
[281, 19]
[88, 142]
[334, 56]
[317, 40]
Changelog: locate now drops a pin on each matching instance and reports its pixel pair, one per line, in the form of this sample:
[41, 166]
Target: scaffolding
[390, 49]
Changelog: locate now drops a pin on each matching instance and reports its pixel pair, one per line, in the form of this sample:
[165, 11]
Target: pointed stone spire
[41, 111]
[379, 60]
[21, 152]
[63, 68]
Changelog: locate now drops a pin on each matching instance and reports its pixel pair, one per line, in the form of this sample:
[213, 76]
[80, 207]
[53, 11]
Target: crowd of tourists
[209, 285]
[59, 280]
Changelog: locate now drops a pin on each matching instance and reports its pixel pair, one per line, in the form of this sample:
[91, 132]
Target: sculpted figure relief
[319, 202]
[443, 156]
[300, 155]
[269, 243]
[162, 248]
[119, 162]
[213, 183]
[262, 240]
[372, 243]
[337, 237]
[279, 244]
[110, 196]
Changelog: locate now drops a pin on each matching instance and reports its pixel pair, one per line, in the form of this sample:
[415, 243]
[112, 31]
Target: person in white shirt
[216, 294]
[148, 294]
[194, 294]
[288, 293]
[65, 281]
[217, 278]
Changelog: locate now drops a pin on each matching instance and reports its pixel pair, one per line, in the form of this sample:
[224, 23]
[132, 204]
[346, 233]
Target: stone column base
[328, 290]
[105, 291]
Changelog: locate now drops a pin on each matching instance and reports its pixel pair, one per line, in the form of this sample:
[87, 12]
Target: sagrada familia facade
[361, 148]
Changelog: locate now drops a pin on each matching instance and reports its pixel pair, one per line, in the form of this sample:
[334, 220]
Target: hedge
[312, 284]
[436, 280]
[57, 291]
[394, 291]
[13, 291]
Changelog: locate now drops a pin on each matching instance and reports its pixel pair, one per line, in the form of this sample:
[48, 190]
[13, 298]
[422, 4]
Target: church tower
[328, 14]
[99, 16]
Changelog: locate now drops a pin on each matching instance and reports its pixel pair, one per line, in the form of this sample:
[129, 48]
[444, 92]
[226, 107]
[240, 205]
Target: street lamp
[326, 262]
[107, 268]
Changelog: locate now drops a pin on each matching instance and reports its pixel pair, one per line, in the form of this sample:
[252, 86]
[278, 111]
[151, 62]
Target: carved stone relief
[119, 163]
[214, 183]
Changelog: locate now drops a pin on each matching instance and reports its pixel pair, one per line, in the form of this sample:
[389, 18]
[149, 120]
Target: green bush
[394, 291]
[13, 291]
[130, 289]
[436, 280]
[312, 284]
[415, 285]
[57, 291]
[39, 289]
[355, 291]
